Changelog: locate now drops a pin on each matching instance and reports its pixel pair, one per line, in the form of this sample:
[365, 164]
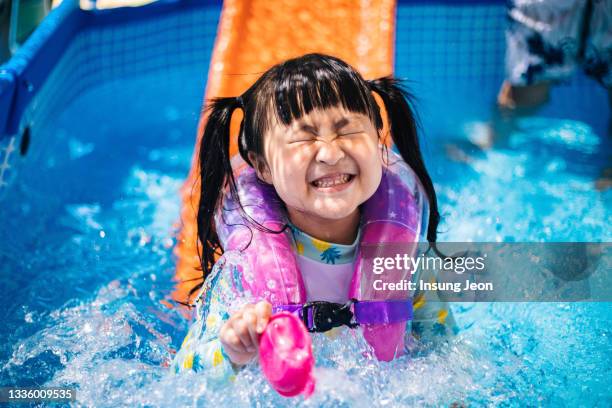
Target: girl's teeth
[330, 182]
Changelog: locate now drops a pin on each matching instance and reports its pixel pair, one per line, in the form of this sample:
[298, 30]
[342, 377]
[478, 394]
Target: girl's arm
[201, 349]
[433, 321]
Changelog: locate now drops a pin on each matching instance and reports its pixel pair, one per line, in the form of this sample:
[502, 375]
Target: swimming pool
[89, 215]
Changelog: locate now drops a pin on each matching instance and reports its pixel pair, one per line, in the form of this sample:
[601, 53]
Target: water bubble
[77, 149]
[171, 113]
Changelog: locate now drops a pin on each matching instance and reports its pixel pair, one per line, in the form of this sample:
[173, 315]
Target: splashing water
[87, 260]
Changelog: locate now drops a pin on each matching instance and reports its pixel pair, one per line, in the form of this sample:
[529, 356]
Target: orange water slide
[254, 35]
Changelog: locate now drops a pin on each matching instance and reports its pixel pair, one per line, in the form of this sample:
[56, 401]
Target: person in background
[547, 40]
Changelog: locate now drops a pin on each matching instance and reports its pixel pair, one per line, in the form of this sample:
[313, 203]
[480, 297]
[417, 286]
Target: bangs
[292, 89]
[311, 82]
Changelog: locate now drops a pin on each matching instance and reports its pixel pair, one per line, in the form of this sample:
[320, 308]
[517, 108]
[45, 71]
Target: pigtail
[403, 122]
[215, 171]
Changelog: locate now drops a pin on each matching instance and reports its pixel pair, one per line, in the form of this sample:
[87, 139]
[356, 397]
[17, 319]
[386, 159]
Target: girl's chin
[334, 214]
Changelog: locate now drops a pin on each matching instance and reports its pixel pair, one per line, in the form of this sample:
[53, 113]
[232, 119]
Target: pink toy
[285, 355]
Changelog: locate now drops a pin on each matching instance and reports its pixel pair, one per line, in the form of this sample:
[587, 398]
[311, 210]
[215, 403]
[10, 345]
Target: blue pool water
[89, 225]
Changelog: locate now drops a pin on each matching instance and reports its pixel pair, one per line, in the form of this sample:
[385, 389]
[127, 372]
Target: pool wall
[440, 45]
[75, 50]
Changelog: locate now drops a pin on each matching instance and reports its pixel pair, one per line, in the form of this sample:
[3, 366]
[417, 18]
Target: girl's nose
[329, 153]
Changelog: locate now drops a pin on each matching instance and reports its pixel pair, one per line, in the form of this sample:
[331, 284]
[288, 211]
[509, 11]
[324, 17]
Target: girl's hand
[240, 334]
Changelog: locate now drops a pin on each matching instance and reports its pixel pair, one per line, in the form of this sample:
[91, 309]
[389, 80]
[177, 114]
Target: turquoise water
[88, 249]
[89, 226]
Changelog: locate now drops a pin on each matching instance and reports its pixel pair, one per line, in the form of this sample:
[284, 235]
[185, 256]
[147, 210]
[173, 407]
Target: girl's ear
[261, 167]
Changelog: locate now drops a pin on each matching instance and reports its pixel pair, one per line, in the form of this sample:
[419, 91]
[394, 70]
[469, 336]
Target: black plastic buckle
[322, 316]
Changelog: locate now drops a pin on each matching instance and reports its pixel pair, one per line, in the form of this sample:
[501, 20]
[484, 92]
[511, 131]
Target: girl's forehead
[333, 116]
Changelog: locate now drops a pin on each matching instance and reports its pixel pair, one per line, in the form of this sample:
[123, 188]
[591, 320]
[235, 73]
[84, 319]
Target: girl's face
[323, 165]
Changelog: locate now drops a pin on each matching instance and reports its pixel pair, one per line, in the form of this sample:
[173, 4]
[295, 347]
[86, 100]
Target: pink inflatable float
[395, 216]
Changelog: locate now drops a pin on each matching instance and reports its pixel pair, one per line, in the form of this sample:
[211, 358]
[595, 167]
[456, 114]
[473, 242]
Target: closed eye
[306, 133]
[356, 132]
[303, 138]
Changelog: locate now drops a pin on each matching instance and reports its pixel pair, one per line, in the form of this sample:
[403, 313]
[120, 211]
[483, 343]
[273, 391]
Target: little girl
[312, 130]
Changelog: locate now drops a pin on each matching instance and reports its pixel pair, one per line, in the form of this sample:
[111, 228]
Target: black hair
[284, 93]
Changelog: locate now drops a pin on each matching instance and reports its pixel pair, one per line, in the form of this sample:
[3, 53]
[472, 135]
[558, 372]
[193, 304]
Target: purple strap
[286, 308]
[296, 309]
[366, 311]
[383, 311]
